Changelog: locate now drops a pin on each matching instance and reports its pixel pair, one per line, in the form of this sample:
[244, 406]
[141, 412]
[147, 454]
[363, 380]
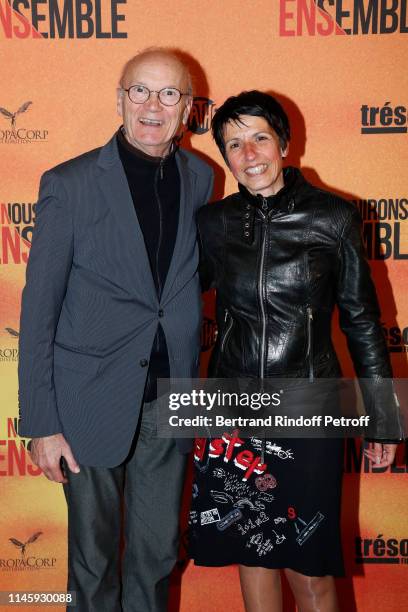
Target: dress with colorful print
[268, 503]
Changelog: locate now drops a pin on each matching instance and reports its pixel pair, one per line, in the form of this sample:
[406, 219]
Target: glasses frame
[158, 92]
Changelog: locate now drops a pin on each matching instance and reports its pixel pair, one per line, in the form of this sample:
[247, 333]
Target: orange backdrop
[340, 70]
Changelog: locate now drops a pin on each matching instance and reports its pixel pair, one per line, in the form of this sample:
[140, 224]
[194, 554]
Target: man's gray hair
[175, 54]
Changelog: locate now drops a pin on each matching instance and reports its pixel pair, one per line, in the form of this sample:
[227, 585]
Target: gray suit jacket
[90, 309]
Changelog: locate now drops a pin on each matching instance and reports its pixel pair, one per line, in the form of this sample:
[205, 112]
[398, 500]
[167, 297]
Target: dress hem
[317, 574]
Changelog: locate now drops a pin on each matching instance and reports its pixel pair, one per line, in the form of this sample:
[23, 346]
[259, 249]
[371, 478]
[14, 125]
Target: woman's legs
[313, 594]
[261, 589]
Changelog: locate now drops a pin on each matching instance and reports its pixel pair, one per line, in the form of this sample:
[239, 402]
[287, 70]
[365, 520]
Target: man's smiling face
[151, 126]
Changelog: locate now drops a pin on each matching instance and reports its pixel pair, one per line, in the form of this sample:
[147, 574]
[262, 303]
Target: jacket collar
[109, 154]
[114, 190]
[285, 199]
[138, 154]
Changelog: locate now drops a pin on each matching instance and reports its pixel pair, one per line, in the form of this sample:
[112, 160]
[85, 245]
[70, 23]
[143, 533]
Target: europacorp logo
[21, 129]
[9, 348]
[27, 555]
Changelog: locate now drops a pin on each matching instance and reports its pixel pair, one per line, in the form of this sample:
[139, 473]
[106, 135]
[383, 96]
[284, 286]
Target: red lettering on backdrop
[283, 16]
[306, 17]
[325, 30]
[24, 30]
[306, 10]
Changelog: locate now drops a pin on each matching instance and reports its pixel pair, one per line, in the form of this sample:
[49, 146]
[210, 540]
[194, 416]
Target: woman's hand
[381, 455]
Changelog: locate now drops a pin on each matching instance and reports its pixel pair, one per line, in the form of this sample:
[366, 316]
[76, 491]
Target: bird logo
[13, 116]
[23, 545]
[12, 332]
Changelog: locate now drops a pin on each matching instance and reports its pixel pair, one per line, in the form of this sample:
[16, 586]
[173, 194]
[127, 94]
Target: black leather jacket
[279, 265]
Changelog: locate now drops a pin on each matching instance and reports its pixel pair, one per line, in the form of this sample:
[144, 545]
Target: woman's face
[254, 154]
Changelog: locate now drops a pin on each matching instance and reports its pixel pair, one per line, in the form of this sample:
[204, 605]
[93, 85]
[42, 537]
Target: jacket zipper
[260, 291]
[261, 301]
[156, 190]
[228, 329]
[309, 313]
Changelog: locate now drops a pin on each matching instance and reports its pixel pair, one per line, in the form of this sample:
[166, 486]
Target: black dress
[286, 517]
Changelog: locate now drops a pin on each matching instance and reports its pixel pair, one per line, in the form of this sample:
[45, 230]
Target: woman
[280, 254]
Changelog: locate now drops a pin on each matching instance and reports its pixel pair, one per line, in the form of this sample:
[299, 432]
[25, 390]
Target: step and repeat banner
[339, 68]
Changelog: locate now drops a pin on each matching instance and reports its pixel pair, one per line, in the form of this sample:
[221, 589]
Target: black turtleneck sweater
[154, 184]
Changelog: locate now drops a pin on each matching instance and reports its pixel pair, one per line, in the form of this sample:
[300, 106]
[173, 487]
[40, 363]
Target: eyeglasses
[169, 96]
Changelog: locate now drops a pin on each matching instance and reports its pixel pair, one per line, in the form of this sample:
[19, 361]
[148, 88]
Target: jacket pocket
[79, 362]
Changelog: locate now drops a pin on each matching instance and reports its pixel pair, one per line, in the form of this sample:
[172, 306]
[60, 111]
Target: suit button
[143, 363]
[161, 313]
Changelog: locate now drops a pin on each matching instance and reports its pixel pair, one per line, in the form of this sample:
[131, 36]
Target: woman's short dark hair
[257, 104]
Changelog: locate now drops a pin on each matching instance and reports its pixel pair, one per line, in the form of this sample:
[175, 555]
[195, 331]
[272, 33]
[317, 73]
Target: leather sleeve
[358, 306]
[360, 321]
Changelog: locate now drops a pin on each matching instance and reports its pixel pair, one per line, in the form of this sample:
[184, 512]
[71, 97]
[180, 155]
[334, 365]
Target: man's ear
[119, 101]
[187, 110]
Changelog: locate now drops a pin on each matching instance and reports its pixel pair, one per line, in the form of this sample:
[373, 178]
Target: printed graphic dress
[268, 503]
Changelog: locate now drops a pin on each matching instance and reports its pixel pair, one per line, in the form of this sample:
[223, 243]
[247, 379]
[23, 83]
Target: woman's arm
[360, 321]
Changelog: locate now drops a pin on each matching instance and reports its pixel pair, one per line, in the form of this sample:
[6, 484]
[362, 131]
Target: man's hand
[46, 453]
[381, 455]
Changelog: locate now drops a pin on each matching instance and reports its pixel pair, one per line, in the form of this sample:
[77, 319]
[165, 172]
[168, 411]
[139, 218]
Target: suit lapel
[187, 185]
[115, 191]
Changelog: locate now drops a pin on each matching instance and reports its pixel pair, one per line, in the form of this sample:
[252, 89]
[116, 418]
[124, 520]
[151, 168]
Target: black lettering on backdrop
[62, 19]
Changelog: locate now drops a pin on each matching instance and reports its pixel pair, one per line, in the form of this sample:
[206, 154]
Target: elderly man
[111, 304]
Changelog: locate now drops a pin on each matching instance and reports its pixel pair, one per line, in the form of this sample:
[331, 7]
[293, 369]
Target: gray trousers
[139, 499]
